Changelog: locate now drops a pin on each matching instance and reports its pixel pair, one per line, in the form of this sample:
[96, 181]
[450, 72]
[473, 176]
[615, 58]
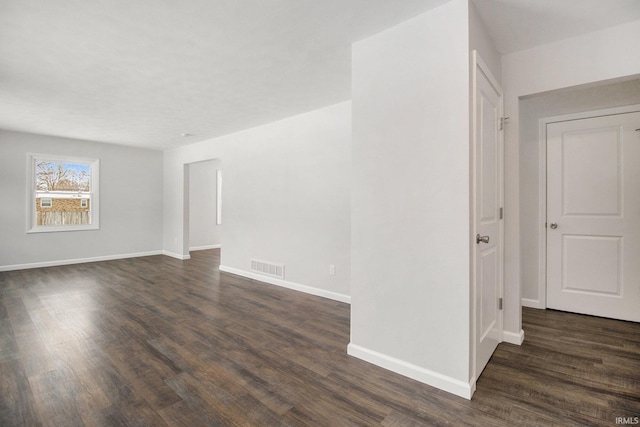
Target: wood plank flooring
[159, 342]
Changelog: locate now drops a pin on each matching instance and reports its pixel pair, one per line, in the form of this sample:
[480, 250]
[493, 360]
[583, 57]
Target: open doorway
[204, 205]
[534, 110]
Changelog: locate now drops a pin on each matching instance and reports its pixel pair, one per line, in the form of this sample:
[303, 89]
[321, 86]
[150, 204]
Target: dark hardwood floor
[155, 341]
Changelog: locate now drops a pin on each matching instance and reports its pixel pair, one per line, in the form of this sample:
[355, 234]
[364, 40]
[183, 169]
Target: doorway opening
[535, 112]
[203, 203]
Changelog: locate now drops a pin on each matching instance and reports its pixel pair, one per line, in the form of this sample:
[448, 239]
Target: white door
[488, 228]
[593, 216]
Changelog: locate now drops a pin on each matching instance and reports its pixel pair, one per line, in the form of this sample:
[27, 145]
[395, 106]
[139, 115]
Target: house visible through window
[64, 193]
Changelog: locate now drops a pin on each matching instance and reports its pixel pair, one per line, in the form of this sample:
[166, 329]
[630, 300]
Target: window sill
[63, 228]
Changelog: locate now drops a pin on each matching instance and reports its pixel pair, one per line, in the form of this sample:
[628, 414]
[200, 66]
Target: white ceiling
[521, 24]
[142, 72]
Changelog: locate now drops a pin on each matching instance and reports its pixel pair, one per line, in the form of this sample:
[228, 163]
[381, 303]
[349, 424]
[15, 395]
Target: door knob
[483, 239]
[554, 225]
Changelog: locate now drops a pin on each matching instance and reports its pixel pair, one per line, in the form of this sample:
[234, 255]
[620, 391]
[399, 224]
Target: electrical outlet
[332, 270]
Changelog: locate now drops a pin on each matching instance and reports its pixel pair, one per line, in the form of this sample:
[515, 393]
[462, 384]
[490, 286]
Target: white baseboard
[76, 261]
[290, 285]
[513, 337]
[204, 248]
[432, 378]
[176, 256]
[532, 303]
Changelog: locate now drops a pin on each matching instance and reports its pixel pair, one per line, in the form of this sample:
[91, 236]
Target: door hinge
[501, 213]
[501, 124]
[499, 303]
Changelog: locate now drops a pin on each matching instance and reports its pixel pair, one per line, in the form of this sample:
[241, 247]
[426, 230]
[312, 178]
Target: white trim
[176, 256]
[513, 337]
[76, 261]
[426, 376]
[218, 197]
[479, 63]
[205, 247]
[542, 187]
[286, 284]
[532, 303]
[542, 217]
[595, 113]
[94, 209]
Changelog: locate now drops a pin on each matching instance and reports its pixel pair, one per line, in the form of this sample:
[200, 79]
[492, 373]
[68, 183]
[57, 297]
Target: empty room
[320, 213]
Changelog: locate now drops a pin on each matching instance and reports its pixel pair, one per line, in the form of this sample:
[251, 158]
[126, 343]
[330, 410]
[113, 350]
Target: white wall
[204, 232]
[130, 203]
[532, 109]
[410, 205]
[286, 192]
[598, 56]
[480, 40]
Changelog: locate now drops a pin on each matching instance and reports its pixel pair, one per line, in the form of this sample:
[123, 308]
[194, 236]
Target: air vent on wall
[267, 268]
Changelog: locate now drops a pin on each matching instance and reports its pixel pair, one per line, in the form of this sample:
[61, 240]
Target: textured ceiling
[142, 72]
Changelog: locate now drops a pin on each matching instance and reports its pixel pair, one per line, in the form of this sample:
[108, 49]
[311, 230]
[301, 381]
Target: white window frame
[94, 166]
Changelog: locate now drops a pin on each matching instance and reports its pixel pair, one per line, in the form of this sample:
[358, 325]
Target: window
[63, 193]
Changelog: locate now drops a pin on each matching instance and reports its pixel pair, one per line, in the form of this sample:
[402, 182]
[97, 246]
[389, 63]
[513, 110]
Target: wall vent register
[267, 268]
